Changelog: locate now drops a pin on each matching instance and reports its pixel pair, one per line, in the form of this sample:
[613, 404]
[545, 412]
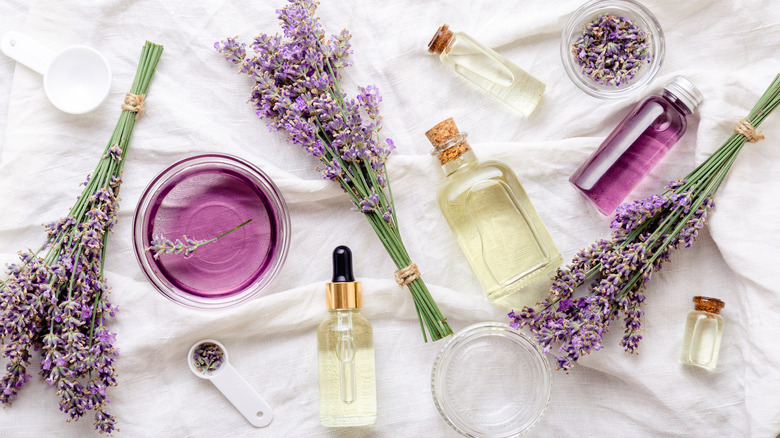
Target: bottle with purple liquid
[636, 145]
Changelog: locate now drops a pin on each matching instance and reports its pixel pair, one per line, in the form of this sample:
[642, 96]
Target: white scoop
[76, 80]
[234, 387]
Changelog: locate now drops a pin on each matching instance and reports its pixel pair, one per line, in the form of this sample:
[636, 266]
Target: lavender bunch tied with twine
[297, 88]
[55, 300]
[644, 233]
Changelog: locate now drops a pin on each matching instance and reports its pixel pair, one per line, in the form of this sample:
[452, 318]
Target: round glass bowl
[202, 197]
[641, 17]
[491, 381]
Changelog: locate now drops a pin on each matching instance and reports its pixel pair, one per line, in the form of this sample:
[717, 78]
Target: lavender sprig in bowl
[612, 48]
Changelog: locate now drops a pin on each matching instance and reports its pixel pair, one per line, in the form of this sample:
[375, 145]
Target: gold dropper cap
[344, 295]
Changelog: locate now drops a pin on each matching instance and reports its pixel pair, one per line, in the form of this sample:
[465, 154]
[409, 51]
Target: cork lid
[442, 132]
[707, 304]
[448, 142]
[440, 39]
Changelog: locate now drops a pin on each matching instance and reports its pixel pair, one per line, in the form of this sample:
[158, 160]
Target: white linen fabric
[197, 104]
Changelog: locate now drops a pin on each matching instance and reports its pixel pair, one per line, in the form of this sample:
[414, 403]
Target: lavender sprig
[161, 245]
[297, 88]
[57, 303]
[644, 233]
[208, 357]
[612, 49]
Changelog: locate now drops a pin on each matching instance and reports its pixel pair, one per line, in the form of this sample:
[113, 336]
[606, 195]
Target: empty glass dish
[491, 381]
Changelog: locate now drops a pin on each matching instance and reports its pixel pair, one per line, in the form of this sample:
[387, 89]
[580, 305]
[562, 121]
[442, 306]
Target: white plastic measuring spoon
[76, 79]
[233, 387]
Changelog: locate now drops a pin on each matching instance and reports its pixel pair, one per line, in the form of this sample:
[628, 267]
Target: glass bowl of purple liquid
[612, 48]
[191, 203]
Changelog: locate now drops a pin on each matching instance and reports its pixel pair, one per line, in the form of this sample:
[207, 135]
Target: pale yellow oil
[346, 369]
[701, 341]
[493, 73]
[499, 231]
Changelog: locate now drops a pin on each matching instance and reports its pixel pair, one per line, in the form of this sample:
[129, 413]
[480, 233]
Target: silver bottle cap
[686, 92]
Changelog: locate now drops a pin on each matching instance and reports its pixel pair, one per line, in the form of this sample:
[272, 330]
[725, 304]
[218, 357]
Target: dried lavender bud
[611, 50]
[208, 357]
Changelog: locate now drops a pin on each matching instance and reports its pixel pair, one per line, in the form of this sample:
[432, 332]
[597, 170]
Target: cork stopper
[707, 304]
[440, 40]
[447, 141]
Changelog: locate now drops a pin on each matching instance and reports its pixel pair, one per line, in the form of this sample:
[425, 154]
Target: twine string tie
[134, 103]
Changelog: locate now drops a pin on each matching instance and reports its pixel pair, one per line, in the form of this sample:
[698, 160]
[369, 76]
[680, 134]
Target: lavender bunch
[297, 88]
[55, 300]
[644, 233]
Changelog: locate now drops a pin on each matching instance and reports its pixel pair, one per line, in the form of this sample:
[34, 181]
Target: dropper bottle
[345, 351]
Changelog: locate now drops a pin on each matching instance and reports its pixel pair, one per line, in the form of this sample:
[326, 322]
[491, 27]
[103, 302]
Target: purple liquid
[636, 145]
[202, 204]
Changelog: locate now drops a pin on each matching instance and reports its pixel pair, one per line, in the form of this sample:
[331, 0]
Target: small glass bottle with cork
[487, 69]
[703, 333]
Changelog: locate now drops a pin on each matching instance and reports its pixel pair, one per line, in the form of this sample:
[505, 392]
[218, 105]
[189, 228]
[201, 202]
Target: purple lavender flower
[57, 303]
[297, 89]
[369, 203]
[644, 234]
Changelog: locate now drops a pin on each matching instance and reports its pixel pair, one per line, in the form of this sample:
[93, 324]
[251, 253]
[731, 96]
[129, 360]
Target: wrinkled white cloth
[197, 104]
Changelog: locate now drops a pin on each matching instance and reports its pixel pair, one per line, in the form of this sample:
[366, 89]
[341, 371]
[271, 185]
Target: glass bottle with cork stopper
[703, 333]
[497, 227]
[487, 69]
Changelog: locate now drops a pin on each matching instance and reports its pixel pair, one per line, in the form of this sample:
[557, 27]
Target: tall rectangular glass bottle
[636, 145]
[487, 69]
[497, 227]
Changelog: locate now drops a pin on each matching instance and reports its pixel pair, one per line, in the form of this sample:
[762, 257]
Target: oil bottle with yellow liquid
[497, 227]
[345, 352]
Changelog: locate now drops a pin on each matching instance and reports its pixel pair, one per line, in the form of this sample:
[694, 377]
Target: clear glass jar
[703, 333]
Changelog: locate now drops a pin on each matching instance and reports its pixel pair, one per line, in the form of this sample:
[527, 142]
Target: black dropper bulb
[342, 265]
